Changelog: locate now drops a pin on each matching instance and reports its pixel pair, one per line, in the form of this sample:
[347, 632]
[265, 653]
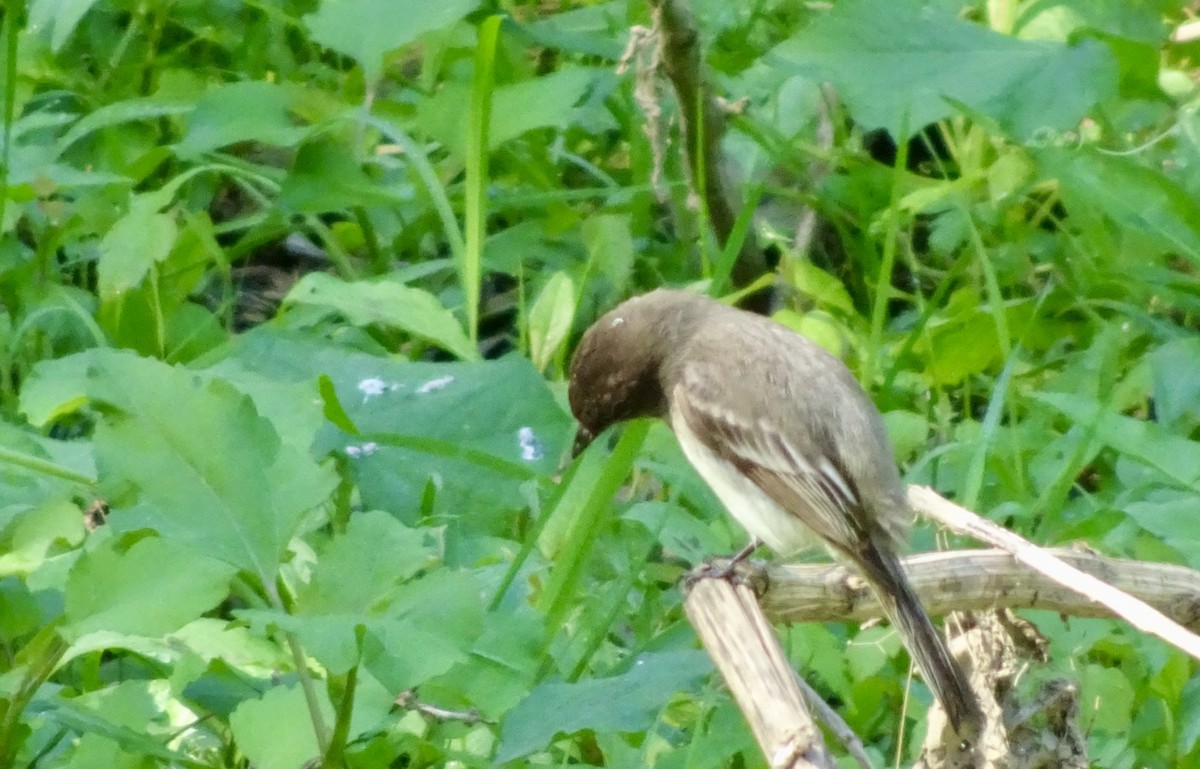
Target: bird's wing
[804, 479]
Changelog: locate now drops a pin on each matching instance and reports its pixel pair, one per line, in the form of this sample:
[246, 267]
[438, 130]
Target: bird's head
[616, 373]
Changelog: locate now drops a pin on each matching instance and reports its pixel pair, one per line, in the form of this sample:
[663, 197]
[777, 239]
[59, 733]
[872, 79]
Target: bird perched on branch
[783, 434]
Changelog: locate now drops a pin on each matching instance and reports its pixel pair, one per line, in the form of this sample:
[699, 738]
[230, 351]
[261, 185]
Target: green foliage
[347, 534]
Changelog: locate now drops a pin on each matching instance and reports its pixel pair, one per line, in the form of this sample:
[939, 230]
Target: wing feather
[803, 480]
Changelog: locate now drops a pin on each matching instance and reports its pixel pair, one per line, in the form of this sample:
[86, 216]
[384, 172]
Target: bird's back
[787, 383]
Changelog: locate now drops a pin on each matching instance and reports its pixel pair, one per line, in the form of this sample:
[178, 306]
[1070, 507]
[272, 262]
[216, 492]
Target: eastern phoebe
[783, 434]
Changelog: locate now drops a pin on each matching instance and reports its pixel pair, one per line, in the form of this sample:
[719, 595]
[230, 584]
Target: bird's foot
[737, 569]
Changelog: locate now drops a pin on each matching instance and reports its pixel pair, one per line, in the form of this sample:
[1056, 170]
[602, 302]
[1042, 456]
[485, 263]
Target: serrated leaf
[432, 625]
[204, 468]
[386, 303]
[152, 589]
[344, 581]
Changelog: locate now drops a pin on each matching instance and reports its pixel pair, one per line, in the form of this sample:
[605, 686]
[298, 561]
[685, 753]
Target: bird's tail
[938, 667]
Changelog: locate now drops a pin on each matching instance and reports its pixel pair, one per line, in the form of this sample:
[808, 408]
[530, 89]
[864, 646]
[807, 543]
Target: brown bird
[783, 434]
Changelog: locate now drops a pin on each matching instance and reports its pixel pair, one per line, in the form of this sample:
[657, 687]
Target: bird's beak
[583, 439]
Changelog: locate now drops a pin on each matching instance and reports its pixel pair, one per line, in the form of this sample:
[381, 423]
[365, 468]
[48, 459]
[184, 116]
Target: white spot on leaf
[364, 450]
[435, 384]
[531, 447]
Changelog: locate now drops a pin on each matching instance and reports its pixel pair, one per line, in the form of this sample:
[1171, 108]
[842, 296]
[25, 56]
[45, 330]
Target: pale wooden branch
[745, 649]
[1133, 610]
[963, 580]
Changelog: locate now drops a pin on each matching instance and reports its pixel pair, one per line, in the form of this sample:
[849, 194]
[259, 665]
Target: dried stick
[746, 651]
[1134, 611]
[977, 580]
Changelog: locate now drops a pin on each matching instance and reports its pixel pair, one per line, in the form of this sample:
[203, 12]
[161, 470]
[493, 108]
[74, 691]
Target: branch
[746, 651]
[963, 580]
[1133, 610]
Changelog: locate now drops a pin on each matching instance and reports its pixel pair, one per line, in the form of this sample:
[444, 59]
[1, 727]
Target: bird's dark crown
[616, 373]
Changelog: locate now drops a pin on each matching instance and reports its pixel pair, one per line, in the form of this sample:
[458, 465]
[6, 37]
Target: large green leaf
[191, 456]
[153, 588]
[624, 703]
[453, 440]
[344, 581]
[366, 30]
[327, 178]
[899, 64]
[276, 730]
[387, 303]
[544, 102]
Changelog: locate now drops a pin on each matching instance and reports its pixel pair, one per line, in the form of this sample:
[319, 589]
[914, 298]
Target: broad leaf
[1140, 201]
[628, 702]
[386, 303]
[276, 731]
[366, 30]
[239, 112]
[1176, 458]
[900, 65]
[201, 466]
[152, 589]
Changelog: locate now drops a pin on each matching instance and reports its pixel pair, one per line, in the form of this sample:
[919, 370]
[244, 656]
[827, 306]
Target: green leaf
[200, 464]
[367, 30]
[29, 533]
[445, 439]
[151, 589]
[60, 17]
[1140, 201]
[239, 112]
[550, 319]
[325, 177]
[1173, 370]
[276, 730]
[135, 242]
[543, 102]
[1177, 458]
[432, 626]
[610, 248]
[900, 65]
[1160, 515]
[503, 663]
[344, 581]
[387, 303]
[628, 702]
[127, 111]
[1106, 700]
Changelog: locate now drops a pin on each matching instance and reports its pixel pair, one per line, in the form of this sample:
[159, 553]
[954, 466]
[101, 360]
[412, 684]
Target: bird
[783, 434]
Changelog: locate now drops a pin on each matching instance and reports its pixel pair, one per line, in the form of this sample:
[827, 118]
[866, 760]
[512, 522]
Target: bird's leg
[729, 569]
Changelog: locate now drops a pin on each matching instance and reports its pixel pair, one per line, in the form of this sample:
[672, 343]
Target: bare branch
[744, 648]
[1133, 610]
